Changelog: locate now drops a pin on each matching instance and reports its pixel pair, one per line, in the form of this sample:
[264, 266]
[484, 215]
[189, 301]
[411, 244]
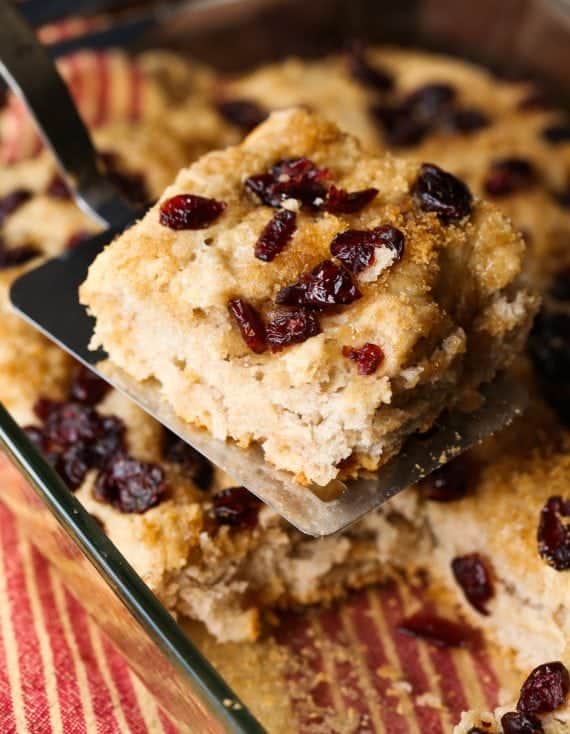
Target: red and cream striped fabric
[106, 86]
[59, 674]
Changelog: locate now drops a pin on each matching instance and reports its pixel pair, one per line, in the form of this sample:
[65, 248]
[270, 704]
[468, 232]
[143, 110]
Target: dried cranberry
[250, 324]
[439, 191]
[364, 72]
[465, 120]
[192, 463]
[554, 533]
[472, 575]
[556, 134]
[355, 248]
[276, 235]
[545, 689]
[450, 482]
[243, 113]
[130, 485]
[131, 185]
[291, 178]
[549, 349]
[509, 175]
[87, 387]
[340, 201]
[57, 188]
[515, 722]
[326, 285]
[291, 327]
[236, 507]
[429, 101]
[368, 357]
[188, 211]
[13, 201]
[13, 256]
[77, 238]
[400, 128]
[72, 464]
[110, 439]
[66, 423]
[407, 122]
[439, 631]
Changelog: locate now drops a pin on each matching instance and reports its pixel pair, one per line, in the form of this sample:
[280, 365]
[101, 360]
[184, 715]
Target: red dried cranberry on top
[87, 387]
[189, 211]
[439, 631]
[250, 324]
[472, 575]
[371, 75]
[355, 248]
[192, 463]
[291, 178]
[510, 175]
[340, 201]
[515, 722]
[276, 235]
[291, 327]
[554, 533]
[130, 485]
[13, 201]
[450, 482]
[368, 357]
[545, 689]
[326, 285]
[236, 507]
[243, 113]
[438, 191]
[558, 133]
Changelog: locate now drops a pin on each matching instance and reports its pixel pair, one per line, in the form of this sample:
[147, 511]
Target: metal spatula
[47, 297]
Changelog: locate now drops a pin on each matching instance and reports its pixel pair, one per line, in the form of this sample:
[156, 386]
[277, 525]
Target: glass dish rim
[160, 626]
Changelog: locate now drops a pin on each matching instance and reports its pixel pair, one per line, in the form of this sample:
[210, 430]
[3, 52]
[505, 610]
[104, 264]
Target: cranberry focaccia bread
[495, 135]
[298, 275]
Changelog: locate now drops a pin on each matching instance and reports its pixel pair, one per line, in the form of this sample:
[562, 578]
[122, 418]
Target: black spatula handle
[32, 75]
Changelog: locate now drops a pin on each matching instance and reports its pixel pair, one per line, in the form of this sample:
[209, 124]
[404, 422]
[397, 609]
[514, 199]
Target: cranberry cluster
[432, 108]
[75, 438]
[329, 284]
[545, 690]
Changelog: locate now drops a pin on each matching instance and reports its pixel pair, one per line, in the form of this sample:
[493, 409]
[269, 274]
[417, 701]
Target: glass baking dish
[514, 37]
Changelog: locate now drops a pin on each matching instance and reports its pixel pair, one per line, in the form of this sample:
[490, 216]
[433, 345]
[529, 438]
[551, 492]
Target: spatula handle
[31, 74]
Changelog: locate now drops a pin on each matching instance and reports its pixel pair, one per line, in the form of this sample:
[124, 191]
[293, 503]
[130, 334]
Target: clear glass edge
[125, 583]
